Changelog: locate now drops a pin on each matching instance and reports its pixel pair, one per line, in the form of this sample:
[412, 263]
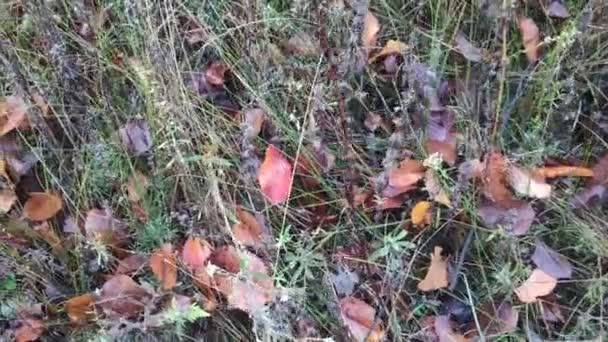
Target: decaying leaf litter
[355, 170]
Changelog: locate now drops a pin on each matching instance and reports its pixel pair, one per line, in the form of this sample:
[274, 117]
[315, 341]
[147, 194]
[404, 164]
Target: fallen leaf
[392, 47]
[41, 206]
[253, 119]
[421, 214]
[248, 296]
[275, 176]
[435, 190]
[13, 114]
[530, 35]
[30, 330]
[71, 226]
[80, 309]
[495, 180]
[122, 295]
[437, 274]
[360, 319]
[467, 49]
[196, 253]
[215, 74]
[537, 285]
[390, 202]
[227, 257]
[163, 265]
[136, 137]
[7, 200]
[248, 231]
[48, 234]
[551, 262]
[445, 332]
[527, 184]
[369, 35]
[136, 187]
[441, 135]
[496, 320]
[515, 219]
[564, 171]
[557, 9]
[131, 264]
[470, 169]
[302, 44]
[402, 179]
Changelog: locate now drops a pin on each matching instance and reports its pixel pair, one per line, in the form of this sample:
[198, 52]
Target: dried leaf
[551, 262]
[407, 175]
[48, 234]
[437, 274]
[131, 264]
[470, 169]
[136, 187]
[564, 171]
[80, 309]
[249, 230]
[215, 74]
[136, 137]
[275, 176]
[495, 180]
[557, 9]
[515, 219]
[7, 200]
[227, 257]
[41, 206]
[392, 47]
[435, 190]
[441, 135]
[253, 121]
[445, 332]
[371, 28]
[100, 225]
[530, 35]
[248, 296]
[360, 319]
[537, 285]
[196, 253]
[163, 265]
[527, 184]
[30, 330]
[467, 49]
[121, 294]
[302, 44]
[13, 114]
[421, 213]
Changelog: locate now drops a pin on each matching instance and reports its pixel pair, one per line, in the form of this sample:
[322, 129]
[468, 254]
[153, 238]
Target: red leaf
[275, 176]
[195, 253]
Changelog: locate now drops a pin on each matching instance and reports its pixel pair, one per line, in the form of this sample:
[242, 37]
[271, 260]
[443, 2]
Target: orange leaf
[195, 253]
[530, 35]
[80, 308]
[421, 213]
[495, 180]
[275, 176]
[359, 318]
[249, 231]
[564, 171]
[392, 47]
[30, 330]
[13, 114]
[404, 178]
[41, 206]
[437, 274]
[163, 265]
[537, 285]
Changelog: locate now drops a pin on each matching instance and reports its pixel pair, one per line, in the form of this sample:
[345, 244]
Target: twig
[464, 250]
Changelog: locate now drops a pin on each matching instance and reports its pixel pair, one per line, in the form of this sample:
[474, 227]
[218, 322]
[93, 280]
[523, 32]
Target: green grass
[195, 169]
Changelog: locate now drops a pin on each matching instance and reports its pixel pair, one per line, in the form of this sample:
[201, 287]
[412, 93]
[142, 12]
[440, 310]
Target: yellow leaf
[391, 47]
[421, 213]
[437, 274]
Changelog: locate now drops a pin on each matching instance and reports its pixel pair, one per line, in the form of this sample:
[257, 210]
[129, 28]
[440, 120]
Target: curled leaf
[530, 35]
[392, 47]
[551, 262]
[564, 171]
[421, 213]
[163, 265]
[81, 308]
[495, 180]
[100, 225]
[196, 253]
[41, 206]
[360, 319]
[275, 176]
[537, 285]
[253, 119]
[437, 273]
[435, 190]
[527, 184]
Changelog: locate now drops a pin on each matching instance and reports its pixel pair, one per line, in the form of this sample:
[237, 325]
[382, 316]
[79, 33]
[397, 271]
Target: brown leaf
[41, 206]
[528, 184]
[551, 262]
[421, 214]
[215, 73]
[248, 296]
[360, 319]
[495, 180]
[122, 295]
[441, 135]
[392, 47]
[100, 225]
[163, 265]
[275, 176]
[30, 330]
[131, 264]
[369, 35]
[405, 177]
[515, 219]
[564, 171]
[196, 253]
[437, 274]
[7, 200]
[537, 285]
[80, 309]
[253, 119]
[227, 257]
[467, 49]
[48, 234]
[435, 190]
[13, 114]
[530, 35]
[249, 230]
[557, 9]
[445, 332]
[136, 187]
[136, 137]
